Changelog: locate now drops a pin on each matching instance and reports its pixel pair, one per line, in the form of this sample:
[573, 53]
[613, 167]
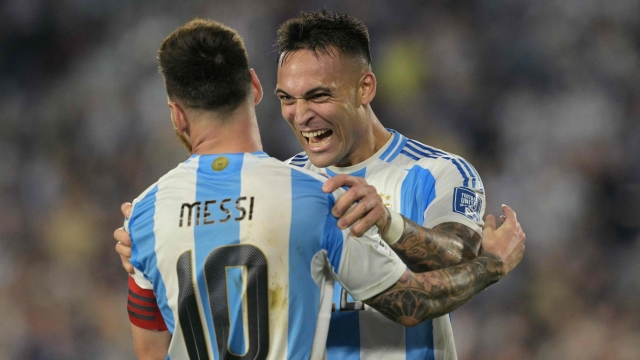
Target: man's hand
[506, 242]
[123, 247]
[368, 210]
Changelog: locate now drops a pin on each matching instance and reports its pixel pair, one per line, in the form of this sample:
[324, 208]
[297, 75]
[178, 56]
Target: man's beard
[184, 141]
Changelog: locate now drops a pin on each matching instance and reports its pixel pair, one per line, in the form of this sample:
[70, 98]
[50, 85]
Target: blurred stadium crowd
[543, 97]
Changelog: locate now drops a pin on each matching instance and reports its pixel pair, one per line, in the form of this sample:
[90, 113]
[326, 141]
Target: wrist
[394, 229]
[493, 265]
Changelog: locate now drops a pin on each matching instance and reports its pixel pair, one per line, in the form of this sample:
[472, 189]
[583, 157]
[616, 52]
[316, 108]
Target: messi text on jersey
[216, 211]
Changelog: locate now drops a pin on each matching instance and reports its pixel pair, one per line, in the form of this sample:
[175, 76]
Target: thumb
[489, 223]
[509, 213]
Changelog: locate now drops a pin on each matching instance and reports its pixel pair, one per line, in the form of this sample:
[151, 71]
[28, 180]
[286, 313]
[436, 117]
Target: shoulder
[314, 181]
[428, 156]
[439, 163]
[305, 182]
[144, 204]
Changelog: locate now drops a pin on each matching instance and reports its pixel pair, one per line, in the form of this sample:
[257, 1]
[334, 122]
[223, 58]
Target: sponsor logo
[467, 203]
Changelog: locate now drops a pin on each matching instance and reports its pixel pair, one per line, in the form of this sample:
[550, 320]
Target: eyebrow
[309, 92]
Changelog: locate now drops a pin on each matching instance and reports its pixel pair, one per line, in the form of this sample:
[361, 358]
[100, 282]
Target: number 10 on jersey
[226, 270]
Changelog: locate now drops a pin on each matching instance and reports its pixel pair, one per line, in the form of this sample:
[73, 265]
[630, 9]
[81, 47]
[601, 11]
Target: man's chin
[322, 160]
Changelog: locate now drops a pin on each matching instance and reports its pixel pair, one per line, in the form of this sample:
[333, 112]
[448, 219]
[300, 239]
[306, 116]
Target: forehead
[304, 69]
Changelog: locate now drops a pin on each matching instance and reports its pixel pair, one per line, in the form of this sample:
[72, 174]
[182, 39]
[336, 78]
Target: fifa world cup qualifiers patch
[467, 203]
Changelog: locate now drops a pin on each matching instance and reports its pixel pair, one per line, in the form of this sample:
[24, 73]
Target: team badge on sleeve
[467, 203]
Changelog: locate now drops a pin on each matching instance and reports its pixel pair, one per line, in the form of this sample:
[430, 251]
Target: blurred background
[543, 97]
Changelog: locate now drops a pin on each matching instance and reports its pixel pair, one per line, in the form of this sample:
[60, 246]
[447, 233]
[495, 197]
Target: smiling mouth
[317, 138]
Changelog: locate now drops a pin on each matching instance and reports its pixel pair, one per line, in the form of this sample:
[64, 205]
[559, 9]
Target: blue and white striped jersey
[430, 187]
[241, 251]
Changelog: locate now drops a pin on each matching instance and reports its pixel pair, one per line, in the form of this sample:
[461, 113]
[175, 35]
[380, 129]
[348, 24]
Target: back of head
[320, 31]
[205, 66]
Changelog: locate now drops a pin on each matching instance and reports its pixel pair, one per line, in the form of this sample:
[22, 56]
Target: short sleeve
[140, 227]
[368, 266]
[141, 281]
[458, 196]
[365, 266]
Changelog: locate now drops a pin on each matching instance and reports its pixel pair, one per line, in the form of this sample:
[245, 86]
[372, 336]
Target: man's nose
[302, 113]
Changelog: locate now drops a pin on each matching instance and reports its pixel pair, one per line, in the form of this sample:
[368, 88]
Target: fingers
[364, 221]
[123, 250]
[126, 264]
[126, 209]
[368, 211]
[502, 219]
[123, 247]
[342, 180]
[489, 223]
[362, 193]
[122, 237]
[360, 205]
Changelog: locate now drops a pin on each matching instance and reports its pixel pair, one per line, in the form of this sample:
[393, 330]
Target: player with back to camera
[237, 253]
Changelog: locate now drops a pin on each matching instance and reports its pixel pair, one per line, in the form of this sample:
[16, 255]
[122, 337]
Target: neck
[372, 140]
[235, 133]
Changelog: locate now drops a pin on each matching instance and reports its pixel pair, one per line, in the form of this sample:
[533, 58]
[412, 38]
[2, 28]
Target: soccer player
[325, 85]
[236, 253]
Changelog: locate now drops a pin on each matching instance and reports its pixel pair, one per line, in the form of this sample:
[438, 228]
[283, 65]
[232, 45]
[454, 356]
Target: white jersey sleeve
[138, 276]
[366, 265]
[141, 280]
[459, 196]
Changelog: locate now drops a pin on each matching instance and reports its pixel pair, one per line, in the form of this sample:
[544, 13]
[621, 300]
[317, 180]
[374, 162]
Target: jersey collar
[386, 153]
[260, 154]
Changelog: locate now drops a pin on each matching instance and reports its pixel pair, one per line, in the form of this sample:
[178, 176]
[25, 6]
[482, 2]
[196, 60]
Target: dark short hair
[320, 30]
[205, 65]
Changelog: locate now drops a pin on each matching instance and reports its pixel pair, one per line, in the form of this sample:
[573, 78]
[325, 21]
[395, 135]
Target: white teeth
[308, 134]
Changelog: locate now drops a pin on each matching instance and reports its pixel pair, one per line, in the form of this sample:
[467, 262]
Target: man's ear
[179, 118]
[256, 87]
[367, 87]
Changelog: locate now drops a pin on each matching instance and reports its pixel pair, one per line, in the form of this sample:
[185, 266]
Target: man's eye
[320, 96]
[286, 98]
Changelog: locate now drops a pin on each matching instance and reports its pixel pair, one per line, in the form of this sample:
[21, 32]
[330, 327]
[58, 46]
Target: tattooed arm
[422, 296]
[445, 245]
[417, 297]
[422, 249]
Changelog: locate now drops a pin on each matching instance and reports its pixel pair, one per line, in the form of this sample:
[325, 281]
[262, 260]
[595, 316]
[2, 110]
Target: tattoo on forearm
[418, 297]
[446, 245]
[471, 240]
